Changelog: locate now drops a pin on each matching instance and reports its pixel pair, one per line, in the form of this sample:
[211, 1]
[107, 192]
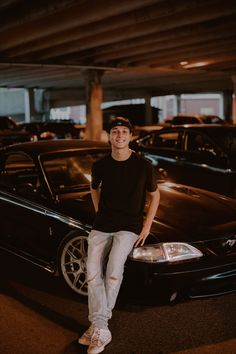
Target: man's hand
[142, 237]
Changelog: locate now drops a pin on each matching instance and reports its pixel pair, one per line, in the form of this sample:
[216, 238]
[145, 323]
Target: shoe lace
[96, 338]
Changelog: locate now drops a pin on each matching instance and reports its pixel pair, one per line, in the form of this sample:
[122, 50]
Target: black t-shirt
[123, 192]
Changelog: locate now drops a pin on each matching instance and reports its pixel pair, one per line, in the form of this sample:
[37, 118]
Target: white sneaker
[100, 338]
[85, 339]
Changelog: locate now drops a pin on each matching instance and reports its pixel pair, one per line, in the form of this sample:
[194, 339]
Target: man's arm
[95, 194]
[151, 212]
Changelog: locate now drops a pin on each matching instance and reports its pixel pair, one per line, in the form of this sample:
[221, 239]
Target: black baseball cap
[120, 121]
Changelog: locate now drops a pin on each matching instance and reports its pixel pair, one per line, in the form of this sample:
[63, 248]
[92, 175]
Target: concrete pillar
[34, 104]
[27, 105]
[39, 100]
[227, 106]
[178, 104]
[31, 113]
[234, 101]
[94, 125]
[221, 106]
[148, 110]
[234, 107]
[46, 106]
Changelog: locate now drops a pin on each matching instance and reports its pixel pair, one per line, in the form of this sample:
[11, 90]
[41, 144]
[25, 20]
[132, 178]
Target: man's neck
[121, 154]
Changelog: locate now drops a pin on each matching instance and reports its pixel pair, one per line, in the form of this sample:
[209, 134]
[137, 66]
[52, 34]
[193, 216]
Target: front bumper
[166, 282]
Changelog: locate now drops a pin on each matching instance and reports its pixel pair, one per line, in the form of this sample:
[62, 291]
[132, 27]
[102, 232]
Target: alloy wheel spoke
[73, 264]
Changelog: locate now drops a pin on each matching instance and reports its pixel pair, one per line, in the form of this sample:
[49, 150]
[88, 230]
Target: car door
[202, 163]
[26, 227]
[163, 149]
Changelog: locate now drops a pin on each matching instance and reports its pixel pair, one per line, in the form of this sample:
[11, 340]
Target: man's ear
[108, 138]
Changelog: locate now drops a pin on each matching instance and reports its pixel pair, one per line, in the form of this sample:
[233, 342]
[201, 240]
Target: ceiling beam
[198, 52]
[145, 14]
[19, 32]
[26, 11]
[153, 26]
[168, 42]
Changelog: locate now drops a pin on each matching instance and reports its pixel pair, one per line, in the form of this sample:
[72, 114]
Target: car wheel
[72, 263]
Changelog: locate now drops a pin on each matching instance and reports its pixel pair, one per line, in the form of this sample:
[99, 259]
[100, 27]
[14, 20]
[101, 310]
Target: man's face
[120, 137]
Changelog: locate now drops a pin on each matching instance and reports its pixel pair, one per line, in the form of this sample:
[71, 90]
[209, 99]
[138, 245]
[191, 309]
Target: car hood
[232, 162]
[191, 214]
[184, 214]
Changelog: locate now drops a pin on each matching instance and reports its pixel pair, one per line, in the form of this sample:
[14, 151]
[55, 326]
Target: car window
[20, 170]
[71, 171]
[171, 140]
[226, 140]
[212, 120]
[198, 142]
[185, 120]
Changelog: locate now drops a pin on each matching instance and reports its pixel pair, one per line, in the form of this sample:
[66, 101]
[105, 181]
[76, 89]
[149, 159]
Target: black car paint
[35, 225]
[11, 133]
[212, 169]
[53, 130]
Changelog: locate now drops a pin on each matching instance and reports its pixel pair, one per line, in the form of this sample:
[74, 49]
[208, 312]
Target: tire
[72, 263]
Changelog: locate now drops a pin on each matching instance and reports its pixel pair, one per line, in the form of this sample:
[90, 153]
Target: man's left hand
[142, 237]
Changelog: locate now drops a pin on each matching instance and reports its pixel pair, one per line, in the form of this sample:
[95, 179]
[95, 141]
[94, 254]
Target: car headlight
[165, 252]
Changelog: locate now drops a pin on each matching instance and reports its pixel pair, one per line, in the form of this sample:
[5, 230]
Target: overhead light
[184, 62]
[195, 65]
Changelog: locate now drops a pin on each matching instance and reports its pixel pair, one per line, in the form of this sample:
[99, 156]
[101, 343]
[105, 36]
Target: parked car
[141, 130]
[135, 112]
[53, 130]
[47, 213]
[202, 155]
[10, 133]
[195, 119]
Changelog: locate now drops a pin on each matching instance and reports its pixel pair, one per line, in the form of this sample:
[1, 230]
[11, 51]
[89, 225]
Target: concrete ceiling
[143, 47]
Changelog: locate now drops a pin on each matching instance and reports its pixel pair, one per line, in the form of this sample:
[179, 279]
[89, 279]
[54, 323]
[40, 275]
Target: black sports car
[200, 155]
[53, 130]
[47, 213]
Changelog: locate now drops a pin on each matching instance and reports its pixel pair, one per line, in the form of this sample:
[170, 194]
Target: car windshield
[185, 120]
[70, 171]
[226, 140]
[212, 120]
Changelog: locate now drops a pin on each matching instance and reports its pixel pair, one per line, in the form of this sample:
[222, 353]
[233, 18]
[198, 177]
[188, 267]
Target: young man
[120, 182]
